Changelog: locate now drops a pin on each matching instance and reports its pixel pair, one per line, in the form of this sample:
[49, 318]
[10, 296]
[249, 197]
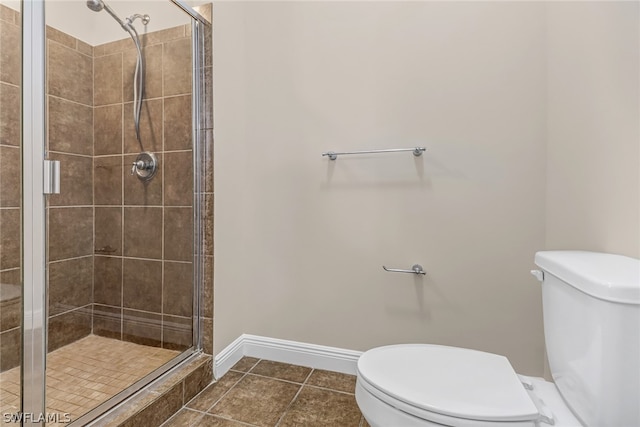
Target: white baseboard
[228, 357]
[293, 352]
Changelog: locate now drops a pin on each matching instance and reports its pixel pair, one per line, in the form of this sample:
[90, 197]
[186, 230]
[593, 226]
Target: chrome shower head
[95, 5]
[98, 5]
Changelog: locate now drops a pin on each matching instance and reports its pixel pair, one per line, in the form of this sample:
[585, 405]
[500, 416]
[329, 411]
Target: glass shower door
[120, 240]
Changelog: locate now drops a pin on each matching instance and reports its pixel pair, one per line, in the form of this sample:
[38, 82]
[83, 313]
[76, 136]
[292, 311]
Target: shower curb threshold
[158, 401]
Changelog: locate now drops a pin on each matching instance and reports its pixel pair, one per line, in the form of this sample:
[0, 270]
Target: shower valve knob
[139, 165]
[145, 166]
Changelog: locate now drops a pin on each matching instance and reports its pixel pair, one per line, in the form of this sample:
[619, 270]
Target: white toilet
[591, 309]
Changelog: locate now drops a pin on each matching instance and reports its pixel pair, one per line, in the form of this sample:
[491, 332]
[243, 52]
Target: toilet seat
[447, 384]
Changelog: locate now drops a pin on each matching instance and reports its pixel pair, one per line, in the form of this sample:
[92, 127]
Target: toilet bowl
[591, 313]
[419, 385]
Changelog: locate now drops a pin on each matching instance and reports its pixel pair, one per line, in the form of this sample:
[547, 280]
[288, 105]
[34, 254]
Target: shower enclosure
[106, 199]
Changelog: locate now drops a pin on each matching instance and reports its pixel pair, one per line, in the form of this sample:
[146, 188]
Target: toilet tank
[591, 311]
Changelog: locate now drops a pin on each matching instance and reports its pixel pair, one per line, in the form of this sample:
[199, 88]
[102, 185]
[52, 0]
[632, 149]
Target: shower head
[98, 5]
[95, 5]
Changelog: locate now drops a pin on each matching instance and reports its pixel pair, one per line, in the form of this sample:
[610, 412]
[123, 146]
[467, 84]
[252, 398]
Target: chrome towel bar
[417, 151]
[415, 269]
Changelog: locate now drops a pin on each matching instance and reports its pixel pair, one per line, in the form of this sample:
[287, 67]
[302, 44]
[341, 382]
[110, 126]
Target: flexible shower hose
[138, 80]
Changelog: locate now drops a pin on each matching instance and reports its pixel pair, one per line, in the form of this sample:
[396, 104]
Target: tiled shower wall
[10, 197]
[143, 240]
[207, 196]
[70, 213]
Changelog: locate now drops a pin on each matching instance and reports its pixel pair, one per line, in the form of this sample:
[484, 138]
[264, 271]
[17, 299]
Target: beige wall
[301, 240]
[593, 181]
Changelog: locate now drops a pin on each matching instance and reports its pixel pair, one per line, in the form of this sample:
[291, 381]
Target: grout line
[136, 258]
[284, 413]
[277, 379]
[107, 156]
[10, 84]
[225, 393]
[163, 188]
[69, 100]
[70, 207]
[176, 95]
[330, 389]
[66, 153]
[145, 206]
[73, 49]
[79, 308]
[143, 311]
[93, 183]
[177, 151]
[253, 366]
[122, 218]
[295, 397]
[69, 259]
[230, 419]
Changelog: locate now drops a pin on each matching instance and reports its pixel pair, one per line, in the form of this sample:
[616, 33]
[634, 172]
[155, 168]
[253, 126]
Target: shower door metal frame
[34, 339]
[199, 166]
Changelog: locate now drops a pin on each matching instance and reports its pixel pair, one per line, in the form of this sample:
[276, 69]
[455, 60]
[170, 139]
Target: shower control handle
[139, 165]
[145, 166]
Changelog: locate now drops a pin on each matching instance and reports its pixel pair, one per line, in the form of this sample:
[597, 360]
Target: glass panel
[120, 233]
[10, 211]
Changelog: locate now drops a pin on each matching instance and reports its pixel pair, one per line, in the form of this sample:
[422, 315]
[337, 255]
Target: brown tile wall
[207, 196]
[70, 213]
[143, 231]
[10, 185]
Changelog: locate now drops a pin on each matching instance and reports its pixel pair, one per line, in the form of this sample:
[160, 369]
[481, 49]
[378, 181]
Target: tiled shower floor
[264, 393]
[82, 375]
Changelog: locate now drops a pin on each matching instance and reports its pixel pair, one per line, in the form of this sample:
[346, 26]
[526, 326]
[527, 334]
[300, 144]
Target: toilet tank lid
[606, 276]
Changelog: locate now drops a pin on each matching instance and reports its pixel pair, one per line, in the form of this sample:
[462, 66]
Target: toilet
[591, 312]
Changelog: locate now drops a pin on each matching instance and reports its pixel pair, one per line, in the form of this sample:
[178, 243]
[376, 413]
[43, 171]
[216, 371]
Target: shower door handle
[51, 184]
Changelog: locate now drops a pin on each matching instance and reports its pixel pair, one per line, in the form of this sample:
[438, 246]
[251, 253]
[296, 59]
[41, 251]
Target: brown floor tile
[364, 423]
[256, 400]
[332, 380]
[315, 407]
[281, 371]
[210, 395]
[245, 364]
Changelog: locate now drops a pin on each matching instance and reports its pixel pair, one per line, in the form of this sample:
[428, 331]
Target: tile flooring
[268, 394]
[83, 374]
